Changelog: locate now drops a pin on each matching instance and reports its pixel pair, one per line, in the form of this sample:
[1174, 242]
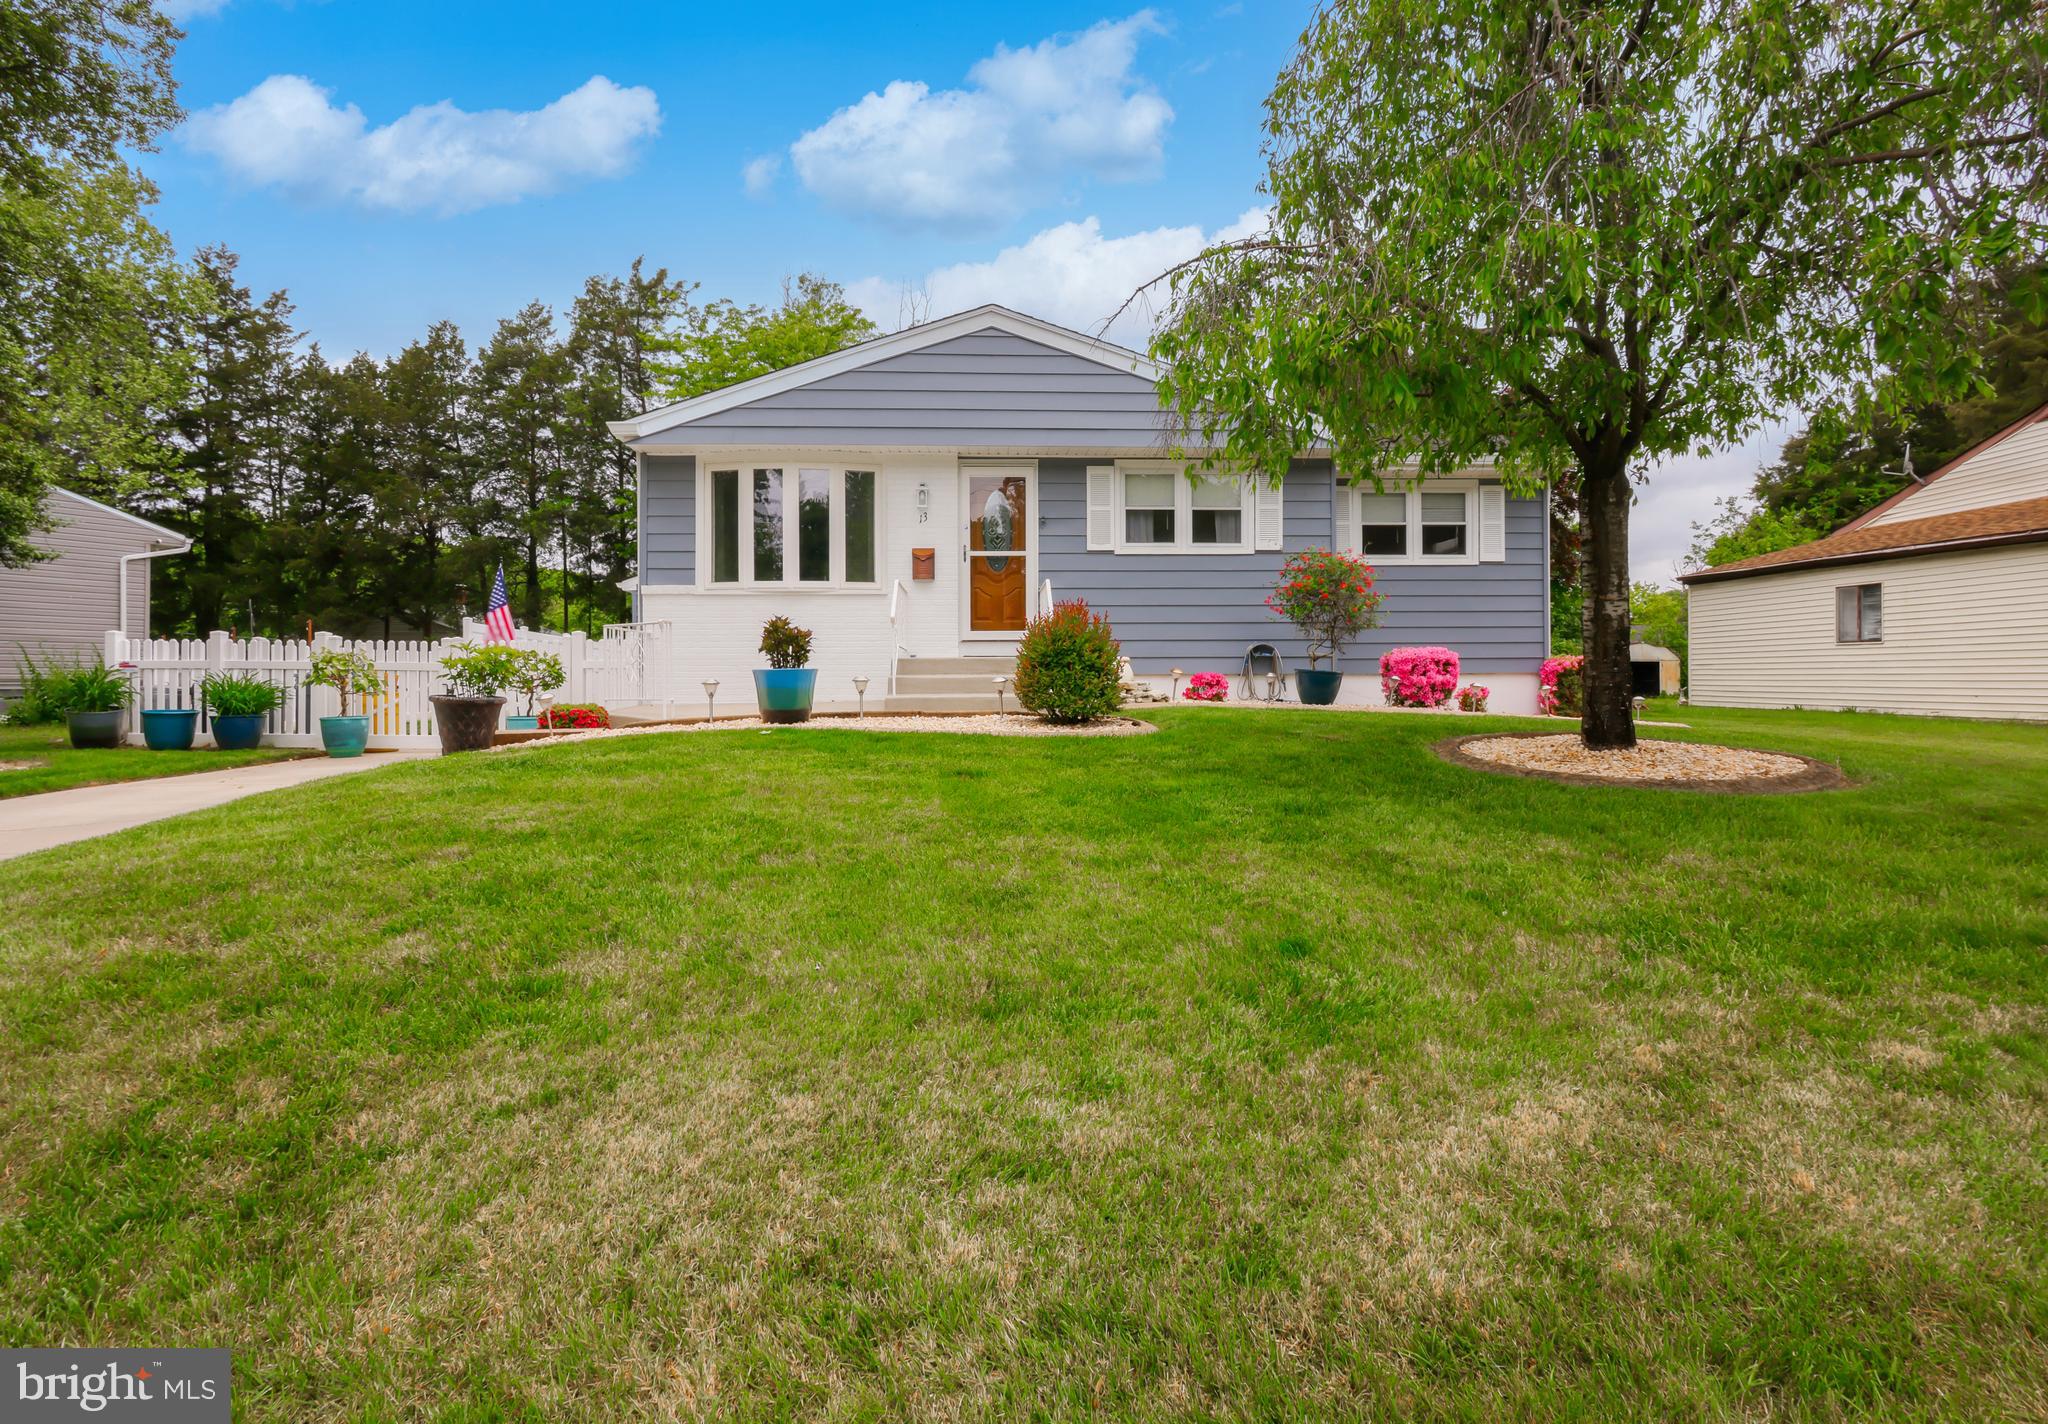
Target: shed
[62, 607]
[1652, 671]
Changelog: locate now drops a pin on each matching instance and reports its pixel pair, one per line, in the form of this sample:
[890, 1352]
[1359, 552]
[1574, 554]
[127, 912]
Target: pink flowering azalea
[1206, 687]
[1550, 699]
[1418, 677]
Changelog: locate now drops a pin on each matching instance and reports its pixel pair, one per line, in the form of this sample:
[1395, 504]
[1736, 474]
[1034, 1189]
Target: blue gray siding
[668, 519]
[986, 390]
[1201, 611]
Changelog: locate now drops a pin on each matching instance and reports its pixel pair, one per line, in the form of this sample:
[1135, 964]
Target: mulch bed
[1813, 775]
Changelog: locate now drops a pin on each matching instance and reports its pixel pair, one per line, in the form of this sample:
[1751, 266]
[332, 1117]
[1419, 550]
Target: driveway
[32, 823]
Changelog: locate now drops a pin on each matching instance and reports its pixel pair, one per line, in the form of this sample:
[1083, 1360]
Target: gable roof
[1868, 515]
[157, 529]
[2021, 522]
[880, 348]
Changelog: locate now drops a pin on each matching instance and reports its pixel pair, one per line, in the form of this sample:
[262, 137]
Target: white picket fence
[627, 667]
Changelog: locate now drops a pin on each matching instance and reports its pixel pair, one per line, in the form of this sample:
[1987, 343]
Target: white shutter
[1493, 524]
[1102, 506]
[1268, 507]
[1344, 518]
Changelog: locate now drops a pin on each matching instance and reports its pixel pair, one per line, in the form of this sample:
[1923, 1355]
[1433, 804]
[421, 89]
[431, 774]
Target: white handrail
[897, 593]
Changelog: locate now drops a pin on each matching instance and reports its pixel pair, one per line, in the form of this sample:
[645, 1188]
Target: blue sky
[391, 164]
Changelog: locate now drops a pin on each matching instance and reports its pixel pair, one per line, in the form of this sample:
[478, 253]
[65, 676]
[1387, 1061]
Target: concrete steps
[950, 685]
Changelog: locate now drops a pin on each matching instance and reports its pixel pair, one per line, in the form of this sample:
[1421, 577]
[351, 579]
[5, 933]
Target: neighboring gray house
[914, 499]
[63, 607]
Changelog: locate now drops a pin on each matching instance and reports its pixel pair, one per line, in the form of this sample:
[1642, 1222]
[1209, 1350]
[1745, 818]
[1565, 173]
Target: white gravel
[1646, 761]
[982, 725]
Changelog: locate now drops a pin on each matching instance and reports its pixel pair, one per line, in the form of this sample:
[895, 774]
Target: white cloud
[1070, 274]
[1681, 491]
[288, 133]
[760, 174]
[979, 156]
[179, 11]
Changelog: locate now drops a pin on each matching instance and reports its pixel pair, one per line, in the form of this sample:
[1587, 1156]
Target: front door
[999, 550]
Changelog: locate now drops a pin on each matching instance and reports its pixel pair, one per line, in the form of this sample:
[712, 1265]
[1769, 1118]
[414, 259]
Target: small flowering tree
[1418, 677]
[1329, 597]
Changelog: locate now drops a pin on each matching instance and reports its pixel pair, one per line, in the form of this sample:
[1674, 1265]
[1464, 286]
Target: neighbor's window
[1148, 506]
[1163, 509]
[1443, 524]
[725, 526]
[1859, 614]
[810, 525]
[1383, 525]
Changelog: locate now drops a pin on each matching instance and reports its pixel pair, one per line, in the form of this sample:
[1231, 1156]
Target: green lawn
[52, 764]
[1266, 1067]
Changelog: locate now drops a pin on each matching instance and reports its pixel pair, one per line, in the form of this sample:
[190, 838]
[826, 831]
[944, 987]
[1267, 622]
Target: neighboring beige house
[1934, 602]
[63, 607]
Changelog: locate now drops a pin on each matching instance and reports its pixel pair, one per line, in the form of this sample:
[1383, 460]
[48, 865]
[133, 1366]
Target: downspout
[126, 560]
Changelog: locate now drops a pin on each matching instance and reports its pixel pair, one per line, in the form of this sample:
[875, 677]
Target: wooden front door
[998, 551]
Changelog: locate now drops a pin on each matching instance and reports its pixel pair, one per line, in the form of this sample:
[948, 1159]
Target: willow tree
[1571, 236]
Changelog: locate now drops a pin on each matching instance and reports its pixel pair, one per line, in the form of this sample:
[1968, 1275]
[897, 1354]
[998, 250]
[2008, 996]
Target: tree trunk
[1604, 501]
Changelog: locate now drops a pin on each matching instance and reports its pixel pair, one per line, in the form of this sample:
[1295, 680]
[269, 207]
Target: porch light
[860, 687]
[711, 699]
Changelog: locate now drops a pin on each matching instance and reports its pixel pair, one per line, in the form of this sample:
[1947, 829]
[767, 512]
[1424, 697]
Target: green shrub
[1067, 665]
[42, 691]
[786, 645]
[92, 688]
[350, 673]
[239, 695]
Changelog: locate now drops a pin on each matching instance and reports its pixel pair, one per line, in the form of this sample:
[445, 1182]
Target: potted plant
[237, 704]
[169, 729]
[353, 675]
[784, 688]
[1330, 598]
[95, 700]
[537, 673]
[467, 713]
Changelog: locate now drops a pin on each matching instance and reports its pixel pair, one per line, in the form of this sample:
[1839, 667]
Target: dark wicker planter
[466, 724]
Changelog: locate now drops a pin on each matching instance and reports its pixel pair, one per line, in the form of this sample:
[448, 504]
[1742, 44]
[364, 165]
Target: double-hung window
[1436, 524]
[1859, 613]
[1161, 509]
[798, 525]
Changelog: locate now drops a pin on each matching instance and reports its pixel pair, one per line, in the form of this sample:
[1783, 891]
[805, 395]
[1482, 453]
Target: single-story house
[62, 607]
[914, 499]
[1934, 602]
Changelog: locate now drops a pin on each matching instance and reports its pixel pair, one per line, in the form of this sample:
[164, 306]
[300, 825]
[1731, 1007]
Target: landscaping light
[1272, 686]
[711, 699]
[1177, 676]
[1002, 707]
[860, 686]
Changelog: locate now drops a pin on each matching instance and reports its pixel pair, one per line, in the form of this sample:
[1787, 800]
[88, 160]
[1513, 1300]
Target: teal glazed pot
[1316, 687]
[240, 733]
[169, 729]
[344, 736]
[784, 694]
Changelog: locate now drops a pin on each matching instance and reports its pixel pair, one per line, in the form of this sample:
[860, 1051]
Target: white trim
[881, 348]
[1183, 511]
[124, 514]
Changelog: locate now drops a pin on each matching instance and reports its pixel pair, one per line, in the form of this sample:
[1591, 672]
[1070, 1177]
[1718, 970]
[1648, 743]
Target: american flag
[498, 617]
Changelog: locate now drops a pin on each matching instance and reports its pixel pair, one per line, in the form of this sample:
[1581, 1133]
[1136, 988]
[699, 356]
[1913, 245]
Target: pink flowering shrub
[1472, 697]
[1206, 687]
[1418, 677]
[1558, 692]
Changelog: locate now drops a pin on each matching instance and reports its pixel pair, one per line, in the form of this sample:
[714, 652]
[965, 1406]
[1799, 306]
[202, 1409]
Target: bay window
[799, 525]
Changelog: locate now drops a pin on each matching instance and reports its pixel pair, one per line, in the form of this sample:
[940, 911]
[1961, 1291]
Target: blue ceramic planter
[169, 729]
[1317, 687]
[344, 736]
[784, 694]
[523, 724]
[239, 733]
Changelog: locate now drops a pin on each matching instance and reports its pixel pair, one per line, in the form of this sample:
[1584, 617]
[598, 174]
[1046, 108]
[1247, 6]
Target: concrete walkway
[54, 818]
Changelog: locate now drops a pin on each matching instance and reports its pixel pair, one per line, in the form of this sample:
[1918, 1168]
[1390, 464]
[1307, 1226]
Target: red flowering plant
[1559, 692]
[1329, 597]
[1206, 687]
[1418, 677]
[1472, 697]
[576, 716]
